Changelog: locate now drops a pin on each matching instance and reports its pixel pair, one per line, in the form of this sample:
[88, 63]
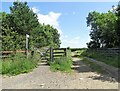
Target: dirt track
[42, 77]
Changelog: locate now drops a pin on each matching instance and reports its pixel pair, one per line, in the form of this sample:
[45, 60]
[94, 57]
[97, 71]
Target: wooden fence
[5, 54]
[56, 53]
[76, 49]
[108, 50]
[52, 53]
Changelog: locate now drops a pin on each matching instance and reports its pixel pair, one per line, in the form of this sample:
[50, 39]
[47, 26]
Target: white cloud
[74, 42]
[71, 42]
[35, 10]
[51, 18]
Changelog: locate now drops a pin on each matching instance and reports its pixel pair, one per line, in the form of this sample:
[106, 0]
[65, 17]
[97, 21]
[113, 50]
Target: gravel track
[42, 78]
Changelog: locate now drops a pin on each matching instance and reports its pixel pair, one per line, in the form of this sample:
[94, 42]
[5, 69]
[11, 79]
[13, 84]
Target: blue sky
[68, 17]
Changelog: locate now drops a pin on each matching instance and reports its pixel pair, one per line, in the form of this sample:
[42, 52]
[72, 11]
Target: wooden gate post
[51, 54]
[65, 52]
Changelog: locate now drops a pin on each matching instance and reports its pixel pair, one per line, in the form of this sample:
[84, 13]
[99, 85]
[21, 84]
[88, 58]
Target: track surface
[42, 78]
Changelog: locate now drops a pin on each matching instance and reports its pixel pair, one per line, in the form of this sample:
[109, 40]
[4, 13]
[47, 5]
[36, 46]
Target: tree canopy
[105, 29]
[21, 21]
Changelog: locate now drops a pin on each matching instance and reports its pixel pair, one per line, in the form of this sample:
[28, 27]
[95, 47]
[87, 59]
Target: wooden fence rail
[5, 54]
[56, 52]
[108, 50]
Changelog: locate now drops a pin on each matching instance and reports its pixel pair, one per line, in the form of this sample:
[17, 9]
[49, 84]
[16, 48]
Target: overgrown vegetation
[17, 64]
[62, 64]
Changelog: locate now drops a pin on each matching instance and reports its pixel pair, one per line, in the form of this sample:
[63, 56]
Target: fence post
[51, 54]
[65, 52]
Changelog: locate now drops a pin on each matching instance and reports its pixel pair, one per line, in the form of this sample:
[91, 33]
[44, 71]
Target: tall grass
[18, 64]
[62, 64]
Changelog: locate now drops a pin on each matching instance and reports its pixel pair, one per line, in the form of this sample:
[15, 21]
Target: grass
[78, 53]
[110, 59]
[18, 64]
[61, 64]
[0, 66]
[93, 66]
[82, 53]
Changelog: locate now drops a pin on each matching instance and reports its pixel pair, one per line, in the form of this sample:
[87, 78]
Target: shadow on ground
[81, 67]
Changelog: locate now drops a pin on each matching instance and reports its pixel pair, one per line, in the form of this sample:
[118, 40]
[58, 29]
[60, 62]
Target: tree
[56, 38]
[118, 24]
[46, 35]
[23, 19]
[16, 25]
[103, 33]
[11, 40]
[95, 33]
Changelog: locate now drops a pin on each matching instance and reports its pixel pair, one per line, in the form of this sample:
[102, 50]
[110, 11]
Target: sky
[68, 17]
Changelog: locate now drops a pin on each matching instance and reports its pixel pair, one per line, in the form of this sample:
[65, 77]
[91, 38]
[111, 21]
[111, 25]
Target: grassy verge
[18, 64]
[93, 66]
[61, 64]
[110, 59]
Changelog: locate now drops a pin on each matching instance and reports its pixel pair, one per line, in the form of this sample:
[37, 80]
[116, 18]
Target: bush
[18, 64]
[62, 64]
